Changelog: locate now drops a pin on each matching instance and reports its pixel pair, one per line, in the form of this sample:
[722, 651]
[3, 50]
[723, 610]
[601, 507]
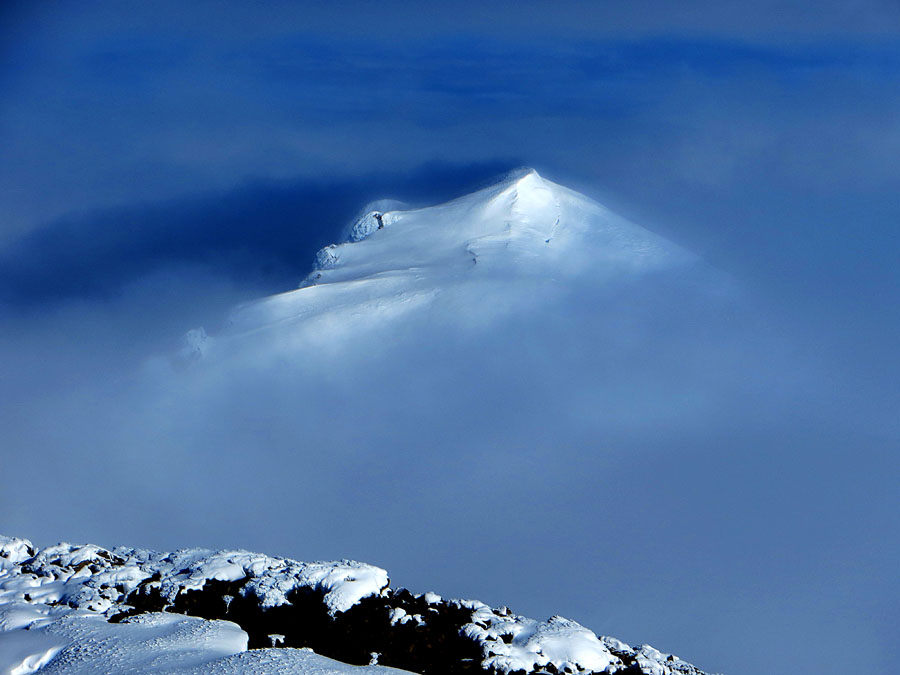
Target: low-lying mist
[663, 460]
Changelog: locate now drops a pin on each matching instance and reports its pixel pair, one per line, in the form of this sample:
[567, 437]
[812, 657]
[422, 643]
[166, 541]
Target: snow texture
[84, 643]
[89, 577]
[55, 602]
[515, 643]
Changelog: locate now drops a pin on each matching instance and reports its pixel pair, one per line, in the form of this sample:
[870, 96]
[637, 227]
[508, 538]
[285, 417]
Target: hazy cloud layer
[659, 463]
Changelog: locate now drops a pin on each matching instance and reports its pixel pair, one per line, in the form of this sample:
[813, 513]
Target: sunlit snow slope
[483, 254]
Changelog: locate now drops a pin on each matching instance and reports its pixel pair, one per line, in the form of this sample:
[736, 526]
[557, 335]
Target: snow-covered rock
[90, 577]
[372, 218]
[86, 609]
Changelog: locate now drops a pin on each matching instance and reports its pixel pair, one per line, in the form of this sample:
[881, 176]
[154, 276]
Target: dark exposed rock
[433, 647]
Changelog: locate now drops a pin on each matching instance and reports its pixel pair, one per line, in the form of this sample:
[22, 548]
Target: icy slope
[483, 254]
[84, 609]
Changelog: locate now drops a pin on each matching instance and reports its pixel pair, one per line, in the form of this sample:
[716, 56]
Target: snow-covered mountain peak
[527, 200]
[523, 182]
[482, 254]
[532, 192]
[524, 218]
[519, 183]
[393, 239]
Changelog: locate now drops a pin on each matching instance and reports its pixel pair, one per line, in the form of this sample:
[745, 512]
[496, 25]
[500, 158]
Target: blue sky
[160, 164]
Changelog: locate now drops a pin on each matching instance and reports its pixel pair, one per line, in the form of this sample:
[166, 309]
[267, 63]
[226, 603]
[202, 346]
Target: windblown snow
[70, 609]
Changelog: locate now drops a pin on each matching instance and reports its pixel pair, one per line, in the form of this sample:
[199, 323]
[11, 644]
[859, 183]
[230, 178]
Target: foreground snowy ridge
[85, 609]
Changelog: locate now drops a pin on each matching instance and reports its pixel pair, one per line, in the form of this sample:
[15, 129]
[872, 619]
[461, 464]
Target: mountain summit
[503, 244]
[524, 224]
